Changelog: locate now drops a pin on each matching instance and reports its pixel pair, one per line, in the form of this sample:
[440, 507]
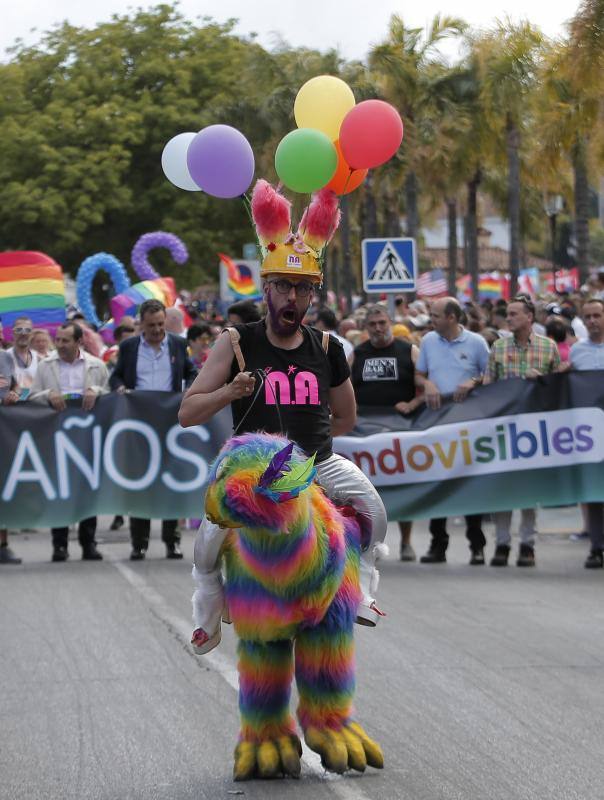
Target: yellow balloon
[322, 103]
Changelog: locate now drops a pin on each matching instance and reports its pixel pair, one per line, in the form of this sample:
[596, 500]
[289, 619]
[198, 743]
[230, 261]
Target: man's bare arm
[343, 408]
[210, 391]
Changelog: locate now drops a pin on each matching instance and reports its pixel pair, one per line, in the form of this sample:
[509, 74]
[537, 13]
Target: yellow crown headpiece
[286, 253]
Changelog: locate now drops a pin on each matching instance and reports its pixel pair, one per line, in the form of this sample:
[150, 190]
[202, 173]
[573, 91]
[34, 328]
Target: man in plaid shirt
[525, 354]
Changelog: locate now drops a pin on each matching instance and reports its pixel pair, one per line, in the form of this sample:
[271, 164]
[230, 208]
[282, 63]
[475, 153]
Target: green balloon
[306, 160]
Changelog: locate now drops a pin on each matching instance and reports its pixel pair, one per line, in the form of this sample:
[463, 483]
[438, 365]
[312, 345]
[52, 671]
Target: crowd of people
[425, 352]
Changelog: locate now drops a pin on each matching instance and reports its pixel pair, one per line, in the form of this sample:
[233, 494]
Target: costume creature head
[253, 481]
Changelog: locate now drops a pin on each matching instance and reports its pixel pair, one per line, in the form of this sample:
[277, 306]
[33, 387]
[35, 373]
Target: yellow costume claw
[290, 751]
[330, 746]
[348, 748]
[269, 759]
[245, 761]
[373, 752]
[356, 752]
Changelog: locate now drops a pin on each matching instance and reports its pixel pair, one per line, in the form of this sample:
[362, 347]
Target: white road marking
[342, 786]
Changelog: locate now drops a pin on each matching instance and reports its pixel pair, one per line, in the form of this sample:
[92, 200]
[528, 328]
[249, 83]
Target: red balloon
[371, 133]
[345, 180]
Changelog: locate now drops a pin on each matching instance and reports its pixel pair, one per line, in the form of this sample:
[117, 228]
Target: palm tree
[401, 66]
[586, 68]
[567, 114]
[451, 156]
[508, 60]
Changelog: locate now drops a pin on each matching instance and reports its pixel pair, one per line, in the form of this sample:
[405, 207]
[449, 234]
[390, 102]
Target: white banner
[479, 447]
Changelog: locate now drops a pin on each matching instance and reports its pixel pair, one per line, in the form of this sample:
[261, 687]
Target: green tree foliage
[86, 113]
[85, 116]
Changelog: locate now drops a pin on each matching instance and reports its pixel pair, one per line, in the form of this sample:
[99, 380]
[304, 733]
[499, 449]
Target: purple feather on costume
[277, 468]
[149, 241]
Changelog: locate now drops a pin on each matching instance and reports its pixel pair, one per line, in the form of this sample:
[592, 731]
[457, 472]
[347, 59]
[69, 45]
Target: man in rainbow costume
[281, 376]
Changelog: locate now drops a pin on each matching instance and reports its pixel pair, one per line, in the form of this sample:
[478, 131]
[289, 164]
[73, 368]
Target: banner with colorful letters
[513, 444]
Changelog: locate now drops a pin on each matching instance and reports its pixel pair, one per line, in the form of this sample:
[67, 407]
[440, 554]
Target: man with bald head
[175, 322]
[452, 361]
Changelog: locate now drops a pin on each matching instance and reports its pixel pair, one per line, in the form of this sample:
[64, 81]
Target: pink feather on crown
[320, 220]
[271, 212]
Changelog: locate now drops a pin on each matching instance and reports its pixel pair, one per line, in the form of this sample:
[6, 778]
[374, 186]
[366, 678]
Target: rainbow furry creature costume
[292, 577]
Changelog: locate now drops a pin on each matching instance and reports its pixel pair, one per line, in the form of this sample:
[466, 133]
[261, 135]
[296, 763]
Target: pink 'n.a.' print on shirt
[291, 388]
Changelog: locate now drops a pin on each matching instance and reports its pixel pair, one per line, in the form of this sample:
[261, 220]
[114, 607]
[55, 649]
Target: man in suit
[71, 371]
[154, 361]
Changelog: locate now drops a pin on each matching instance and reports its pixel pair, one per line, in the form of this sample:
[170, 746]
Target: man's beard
[286, 321]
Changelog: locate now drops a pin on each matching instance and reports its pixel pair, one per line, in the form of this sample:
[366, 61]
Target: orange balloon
[344, 181]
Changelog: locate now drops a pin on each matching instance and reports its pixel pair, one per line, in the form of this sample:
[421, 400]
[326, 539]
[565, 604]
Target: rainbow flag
[490, 286]
[128, 302]
[31, 284]
[240, 280]
[464, 288]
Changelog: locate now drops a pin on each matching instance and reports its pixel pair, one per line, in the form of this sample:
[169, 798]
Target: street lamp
[553, 205]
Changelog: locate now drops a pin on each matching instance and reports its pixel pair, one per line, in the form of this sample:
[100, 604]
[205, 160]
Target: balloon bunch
[337, 141]
[148, 242]
[127, 298]
[218, 159]
[85, 277]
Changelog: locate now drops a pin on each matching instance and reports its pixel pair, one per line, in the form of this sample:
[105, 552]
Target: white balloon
[174, 162]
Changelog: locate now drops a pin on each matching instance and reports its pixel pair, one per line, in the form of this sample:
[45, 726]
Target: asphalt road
[481, 683]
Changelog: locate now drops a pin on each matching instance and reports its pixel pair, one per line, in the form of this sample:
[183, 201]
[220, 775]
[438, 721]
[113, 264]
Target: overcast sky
[351, 25]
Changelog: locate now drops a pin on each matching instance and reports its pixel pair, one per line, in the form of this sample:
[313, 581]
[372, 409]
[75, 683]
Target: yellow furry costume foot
[348, 748]
[269, 759]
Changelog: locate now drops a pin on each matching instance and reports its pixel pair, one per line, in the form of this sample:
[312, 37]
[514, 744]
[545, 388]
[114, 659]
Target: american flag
[432, 283]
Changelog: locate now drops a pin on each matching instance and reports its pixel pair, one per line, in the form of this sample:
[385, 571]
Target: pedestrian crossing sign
[389, 265]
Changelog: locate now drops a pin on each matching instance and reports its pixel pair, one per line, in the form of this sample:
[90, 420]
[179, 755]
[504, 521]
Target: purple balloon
[221, 161]
[149, 241]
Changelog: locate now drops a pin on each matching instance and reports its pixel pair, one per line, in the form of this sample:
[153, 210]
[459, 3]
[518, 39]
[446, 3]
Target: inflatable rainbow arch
[31, 284]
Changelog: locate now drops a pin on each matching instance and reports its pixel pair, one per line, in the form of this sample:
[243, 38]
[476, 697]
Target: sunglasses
[19, 329]
[302, 289]
[526, 302]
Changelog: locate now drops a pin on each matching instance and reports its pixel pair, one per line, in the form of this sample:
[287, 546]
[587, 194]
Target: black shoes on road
[594, 560]
[500, 558]
[477, 557]
[172, 551]
[7, 556]
[526, 556]
[434, 557]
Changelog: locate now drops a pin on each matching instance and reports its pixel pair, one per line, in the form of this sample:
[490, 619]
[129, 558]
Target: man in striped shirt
[525, 354]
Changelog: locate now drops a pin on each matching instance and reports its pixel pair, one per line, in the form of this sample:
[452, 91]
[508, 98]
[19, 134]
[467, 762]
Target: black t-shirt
[299, 380]
[383, 376]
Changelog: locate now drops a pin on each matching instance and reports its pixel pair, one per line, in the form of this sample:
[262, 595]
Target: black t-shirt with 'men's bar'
[299, 380]
[383, 376]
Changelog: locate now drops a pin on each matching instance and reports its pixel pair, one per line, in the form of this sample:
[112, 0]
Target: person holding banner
[154, 361]
[589, 354]
[383, 374]
[24, 358]
[7, 379]
[452, 361]
[525, 354]
[71, 372]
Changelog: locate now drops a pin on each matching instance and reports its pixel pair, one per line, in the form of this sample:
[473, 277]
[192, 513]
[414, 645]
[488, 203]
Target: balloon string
[306, 220]
[248, 210]
[347, 180]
